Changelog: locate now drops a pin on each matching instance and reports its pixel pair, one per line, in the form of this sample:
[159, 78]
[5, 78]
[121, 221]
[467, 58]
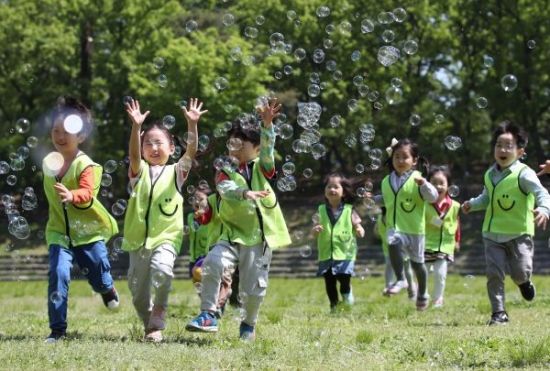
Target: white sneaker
[397, 286]
[348, 298]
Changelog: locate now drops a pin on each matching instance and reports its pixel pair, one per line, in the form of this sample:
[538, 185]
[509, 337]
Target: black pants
[330, 285]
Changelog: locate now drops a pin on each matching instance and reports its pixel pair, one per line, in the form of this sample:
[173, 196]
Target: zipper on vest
[67, 227]
[149, 203]
[395, 198]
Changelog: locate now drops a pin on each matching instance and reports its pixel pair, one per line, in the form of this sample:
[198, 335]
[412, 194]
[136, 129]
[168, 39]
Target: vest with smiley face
[404, 208]
[204, 236]
[155, 211]
[510, 209]
[441, 229]
[336, 242]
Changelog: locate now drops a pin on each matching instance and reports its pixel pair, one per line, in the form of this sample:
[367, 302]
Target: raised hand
[269, 111]
[193, 114]
[134, 112]
[544, 168]
[64, 194]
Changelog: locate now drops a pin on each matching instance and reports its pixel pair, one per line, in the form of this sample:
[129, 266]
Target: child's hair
[422, 163]
[440, 169]
[347, 195]
[67, 106]
[246, 128]
[509, 127]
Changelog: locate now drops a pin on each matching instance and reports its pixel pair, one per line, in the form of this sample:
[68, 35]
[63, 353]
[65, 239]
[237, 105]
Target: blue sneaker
[246, 332]
[205, 322]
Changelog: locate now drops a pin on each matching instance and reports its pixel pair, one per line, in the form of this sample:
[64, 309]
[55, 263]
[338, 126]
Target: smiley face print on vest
[166, 207]
[408, 205]
[505, 203]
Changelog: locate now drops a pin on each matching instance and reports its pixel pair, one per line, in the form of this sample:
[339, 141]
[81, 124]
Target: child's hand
[544, 168]
[255, 195]
[466, 207]
[420, 181]
[134, 112]
[541, 219]
[359, 230]
[317, 228]
[269, 112]
[194, 113]
[64, 194]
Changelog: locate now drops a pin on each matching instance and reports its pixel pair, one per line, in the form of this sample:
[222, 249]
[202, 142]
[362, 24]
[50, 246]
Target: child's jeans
[518, 254]
[253, 263]
[92, 259]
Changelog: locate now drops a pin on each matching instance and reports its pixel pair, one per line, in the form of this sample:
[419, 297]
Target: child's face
[244, 152]
[63, 141]
[334, 190]
[156, 148]
[439, 181]
[506, 150]
[201, 201]
[402, 159]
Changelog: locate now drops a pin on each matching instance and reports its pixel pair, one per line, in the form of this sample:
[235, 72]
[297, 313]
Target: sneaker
[422, 303]
[385, 291]
[246, 332]
[397, 286]
[54, 337]
[438, 303]
[110, 299]
[498, 318]
[205, 322]
[153, 336]
[348, 298]
[156, 320]
[527, 290]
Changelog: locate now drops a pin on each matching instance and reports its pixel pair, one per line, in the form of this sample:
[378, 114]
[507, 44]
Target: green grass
[295, 331]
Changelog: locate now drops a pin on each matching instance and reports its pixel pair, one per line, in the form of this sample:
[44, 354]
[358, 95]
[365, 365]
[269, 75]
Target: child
[204, 231]
[253, 223]
[153, 225]
[511, 192]
[336, 232]
[380, 229]
[442, 231]
[78, 225]
[404, 193]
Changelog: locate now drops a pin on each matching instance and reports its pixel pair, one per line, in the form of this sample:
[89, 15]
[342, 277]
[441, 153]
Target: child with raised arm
[78, 225]
[404, 194]
[442, 231]
[511, 191]
[253, 223]
[337, 229]
[153, 225]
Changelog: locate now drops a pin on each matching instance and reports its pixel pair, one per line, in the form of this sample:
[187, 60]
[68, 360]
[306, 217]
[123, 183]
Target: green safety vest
[404, 208]
[250, 222]
[71, 225]
[382, 231]
[204, 236]
[510, 209]
[440, 232]
[336, 242]
[155, 211]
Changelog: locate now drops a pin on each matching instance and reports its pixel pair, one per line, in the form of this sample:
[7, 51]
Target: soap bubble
[158, 279]
[228, 19]
[388, 36]
[359, 168]
[531, 44]
[32, 141]
[388, 55]
[356, 55]
[453, 142]
[367, 26]
[191, 26]
[260, 20]
[345, 28]
[509, 82]
[276, 39]
[106, 180]
[439, 118]
[251, 32]
[488, 61]
[399, 14]
[410, 47]
[481, 102]
[318, 150]
[385, 17]
[305, 251]
[289, 168]
[56, 298]
[286, 131]
[323, 11]
[158, 62]
[22, 125]
[318, 56]
[300, 54]
[453, 191]
[110, 166]
[119, 207]
[168, 121]
[11, 180]
[313, 90]
[221, 83]
[73, 124]
[394, 95]
[307, 173]
[415, 119]
[162, 80]
[234, 144]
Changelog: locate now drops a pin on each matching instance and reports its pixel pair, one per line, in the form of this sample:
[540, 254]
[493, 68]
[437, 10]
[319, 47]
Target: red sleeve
[221, 176]
[85, 190]
[457, 234]
[268, 174]
[204, 218]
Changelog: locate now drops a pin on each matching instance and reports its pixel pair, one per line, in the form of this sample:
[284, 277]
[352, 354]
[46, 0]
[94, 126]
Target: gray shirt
[528, 181]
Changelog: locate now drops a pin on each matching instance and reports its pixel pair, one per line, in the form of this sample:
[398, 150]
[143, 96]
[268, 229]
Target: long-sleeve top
[85, 191]
[228, 189]
[528, 181]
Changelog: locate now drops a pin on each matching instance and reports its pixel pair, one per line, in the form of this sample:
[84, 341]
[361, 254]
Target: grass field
[295, 331]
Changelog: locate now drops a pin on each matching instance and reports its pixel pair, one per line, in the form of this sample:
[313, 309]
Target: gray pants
[253, 263]
[518, 254]
[151, 268]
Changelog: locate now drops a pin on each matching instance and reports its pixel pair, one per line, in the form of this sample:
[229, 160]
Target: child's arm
[356, 222]
[192, 116]
[83, 194]
[137, 118]
[529, 183]
[427, 190]
[267, 136]
[477, 203]
[229, 190]
[544, 168]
